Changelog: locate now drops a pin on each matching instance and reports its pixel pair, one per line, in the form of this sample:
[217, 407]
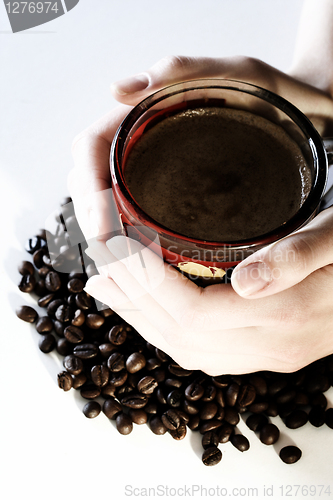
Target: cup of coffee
[211, 171]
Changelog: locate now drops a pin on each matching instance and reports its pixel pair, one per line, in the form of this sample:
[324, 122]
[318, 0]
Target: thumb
[287, 262]
[169, 70]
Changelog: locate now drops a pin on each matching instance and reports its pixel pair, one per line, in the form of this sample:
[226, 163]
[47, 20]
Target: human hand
[215, 329]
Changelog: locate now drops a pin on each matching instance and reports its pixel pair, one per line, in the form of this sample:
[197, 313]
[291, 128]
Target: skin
[277, 314]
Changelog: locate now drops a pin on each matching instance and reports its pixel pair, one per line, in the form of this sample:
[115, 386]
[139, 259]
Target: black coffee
[217, 174]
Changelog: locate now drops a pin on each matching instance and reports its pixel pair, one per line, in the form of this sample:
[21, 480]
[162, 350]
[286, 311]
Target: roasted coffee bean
[64, 313]
[109, 390]
[317, 382]
[285, 396]
[318, 399]
[296, 419]
[117, 335]
[231, 415]
[156, 425]
[73, 364]
[85, 351]
[209, 393]
[147, 385]
[135, 362]
[94, 321]
[52, 281]
[26, 268]
[272, 409]
[317, 416]
[259, 407]
[73, 334]
[210, 439]
[65, 381]
[106, 349]
[194, 422]
[79, 380]
[290, 454]
[194, 391]
[301, 399]
[178, 371]
[45, 300]
[246, 395]
[183, 416]
[43, 271]
[44, 324]
[221, 381]
[171, 419]
[100, 375]
[277, 385]
[116, 362]
[47, 343]
[153, 363]
[211, 456]
[112, 408]
[269, 434]
[240, 442]
[329, 417]
[124, 424]
[83, 301]
[138, 416]
[286, 409]
[59, 328]
[256, 422]
[91, 409]
[90, 391]
[190, 407]
[208, 411]
[159, 375]
[174, 383]
[53, 306]
[174, 398]
[38, 260]
[210, 425]
[118, 378]
[161, 355]
[64, 347]
[178, 433]
[224, 432]
[33, 244]
[39, 288]
[231, 394]
[27, 283]
[27, 313]
[107, 312]
[78, 318]
[75, 285]
[134, 401]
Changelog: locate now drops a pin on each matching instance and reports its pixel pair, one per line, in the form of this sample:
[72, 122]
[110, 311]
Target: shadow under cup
[199, 258]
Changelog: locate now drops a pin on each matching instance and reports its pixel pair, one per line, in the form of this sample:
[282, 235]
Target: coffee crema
[217, 174]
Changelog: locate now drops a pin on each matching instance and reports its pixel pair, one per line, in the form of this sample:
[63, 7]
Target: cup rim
[302, 216]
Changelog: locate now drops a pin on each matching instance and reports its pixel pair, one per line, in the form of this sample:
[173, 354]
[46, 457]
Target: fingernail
[251, 279]
[131, 85]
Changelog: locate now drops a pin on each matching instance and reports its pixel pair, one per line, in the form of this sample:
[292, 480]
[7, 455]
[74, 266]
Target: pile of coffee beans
[121, 375]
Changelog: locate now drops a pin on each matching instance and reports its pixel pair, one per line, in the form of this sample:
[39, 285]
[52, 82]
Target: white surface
[55, 82]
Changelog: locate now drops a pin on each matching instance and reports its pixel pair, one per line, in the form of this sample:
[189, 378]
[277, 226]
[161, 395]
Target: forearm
[313, 57]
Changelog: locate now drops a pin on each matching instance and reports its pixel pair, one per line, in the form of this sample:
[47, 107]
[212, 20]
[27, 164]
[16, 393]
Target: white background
[55, 82]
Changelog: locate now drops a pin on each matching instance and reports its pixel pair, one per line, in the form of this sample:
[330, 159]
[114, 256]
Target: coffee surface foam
[217, 174]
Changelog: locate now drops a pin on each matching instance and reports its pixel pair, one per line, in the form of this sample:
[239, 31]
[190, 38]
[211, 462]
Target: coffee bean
[210, 425]
[272, 409]
[190, 407]
[26, 313]
[209, 393]
[329, 417]
[194, 422]
[75, 285]
[317, 416]
[231, 394]
[38, 259]
[174, 398]
[240, 442]
[79, 380]
[277, 385]
[39, 288]
[44, 324]
[52, 281]
[231, 415]
[64, 313]
[117, 335]
[269, 434]
[124, 424]
[178, 433]
[135, 362]
[156, 425]
[138, 416]
[118, 378]
[83, 301]
[65, 381]
[147, 385]
[109, 390]
[171, 419]
[259, 383]
[94, 321]
[224, 432]
[73, 364]
[258, 407]
[318, 399]
[53, 306]
[85, 351]
[112, 408]
[208, 411]
[174, 383]
[116, 362]
[194, 391]
[26, 268]
[285, 396]
[106, 349]
[178, 371]
[246, 395]
[90, 391]
[290, 454]
[47, 343]
[45, 300]
[210, 439]
[33, 244]
[64, 347]
[73, 334]
[27, 283]
[91, 409]
[296, 419]
[134, 400]
[221, 381]
[100, 375]
[211, 456]
[256, 422]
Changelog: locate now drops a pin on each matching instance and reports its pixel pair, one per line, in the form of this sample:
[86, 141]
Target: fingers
[287, 262]
[89, 182]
